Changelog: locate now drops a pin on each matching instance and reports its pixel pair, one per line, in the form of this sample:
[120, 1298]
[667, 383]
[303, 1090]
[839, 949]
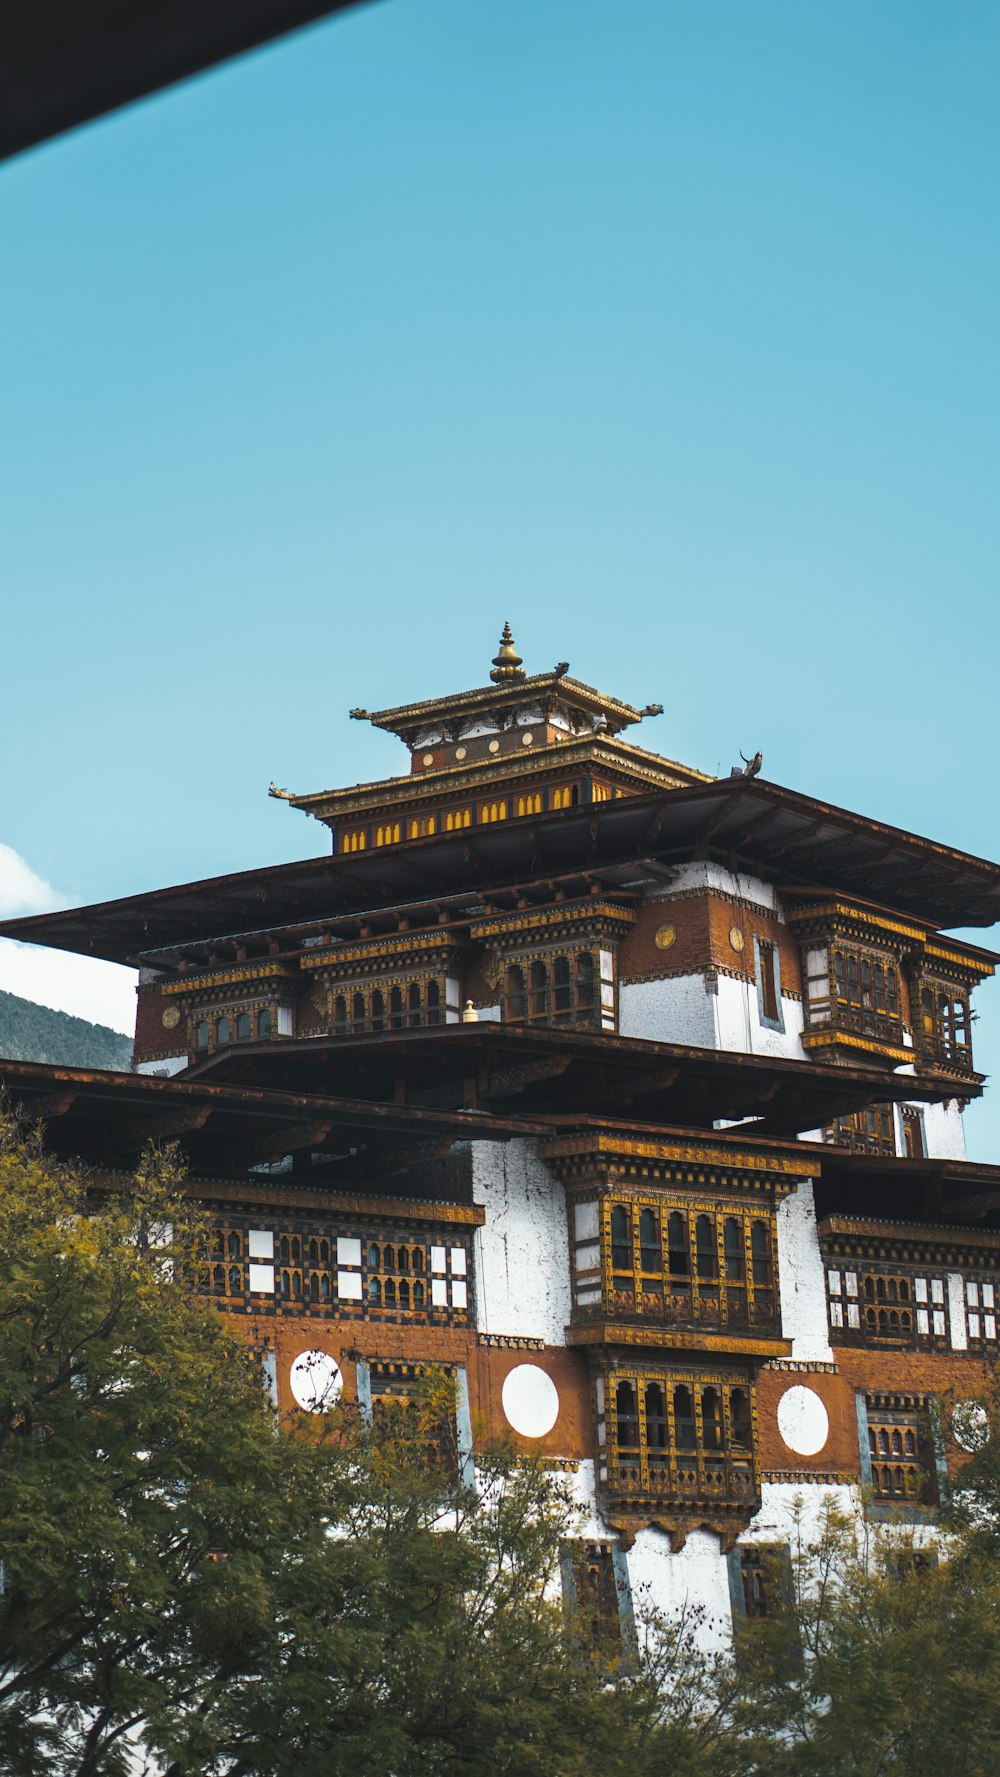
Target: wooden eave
[557, 1073]
[747, 824]
[387, 797]
[100, 1117]
[463, 705]
[892, 1189]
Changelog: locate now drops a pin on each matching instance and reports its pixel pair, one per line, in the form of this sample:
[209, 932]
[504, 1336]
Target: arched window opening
[235, 1247]
[684, 1426]
[760, 1252]
[244, 1027]
[218, 1278]
[235, 1280]
[627, 1415]
[340, 1016]
[389, 1293]
[516, 994]
[586, 981]
[742, 1422]
[732, 1240]
[413, 1004]
[433, 1002]
[705, 1246]
[418, 1295]
[265, 1023]
[404, 1293]
[201, 1034]
[711, 1419]
[397, 1017]
[374, 1290]
[359, 1013]
[677, 1245]
[621, 1239]
[562, 989]
[656, 1422]
[223, 1032]
[649, 1241]
[538, 980]
[378, 1009]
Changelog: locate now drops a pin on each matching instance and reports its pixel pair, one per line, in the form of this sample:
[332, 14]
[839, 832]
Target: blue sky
[667, 331]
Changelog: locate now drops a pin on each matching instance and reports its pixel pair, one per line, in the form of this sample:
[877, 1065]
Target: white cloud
[21, 891]
[102, 992]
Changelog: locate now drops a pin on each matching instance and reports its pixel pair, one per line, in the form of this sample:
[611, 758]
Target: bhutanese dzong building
[630, 1095]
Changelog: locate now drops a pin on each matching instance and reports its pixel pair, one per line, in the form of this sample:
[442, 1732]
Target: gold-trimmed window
[529, 804]
[574, 987]
[388, 833]
[456, 819]
[677, 1436]
[565, 796]
[601, 793]
[493, 811]
[422, 826]
[854, 989]
[884, 1304]
[871, 1131]
[688, 1262]
[944, 1025]
[981, 1311]
[397, 1005]
[356, 840]
[901, 1449]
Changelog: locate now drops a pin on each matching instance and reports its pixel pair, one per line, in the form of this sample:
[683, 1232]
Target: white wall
[944, 1131]
[800, 1278]
[678, 1010]
[165, 1065]
[522, 1252]
[697, 1575]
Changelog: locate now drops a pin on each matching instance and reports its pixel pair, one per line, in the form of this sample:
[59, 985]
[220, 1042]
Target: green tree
[187, 1584]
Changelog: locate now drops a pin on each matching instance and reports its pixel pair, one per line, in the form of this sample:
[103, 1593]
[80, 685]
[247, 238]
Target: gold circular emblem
[494, 746]
[460, 752]
[428, 758]
[171, 1017]
[736, 938]
[665, 936]
[526, 740]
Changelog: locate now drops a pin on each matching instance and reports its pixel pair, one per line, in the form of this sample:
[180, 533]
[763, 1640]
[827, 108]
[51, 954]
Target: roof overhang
[747, 823]
[64, 62]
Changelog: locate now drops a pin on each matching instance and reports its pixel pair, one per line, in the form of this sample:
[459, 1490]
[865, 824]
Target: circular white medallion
[526, 740]
[530, 1401]
[316, 1381]
[428, 758]
[460, 752]
[803, 1421]
[494, 746]
[970, 1425]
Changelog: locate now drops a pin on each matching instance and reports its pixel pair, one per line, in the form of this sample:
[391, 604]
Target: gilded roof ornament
[508, 667]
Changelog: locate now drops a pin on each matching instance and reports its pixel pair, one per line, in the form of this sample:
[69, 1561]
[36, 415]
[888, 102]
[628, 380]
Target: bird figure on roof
[752, 765]
[561, 668]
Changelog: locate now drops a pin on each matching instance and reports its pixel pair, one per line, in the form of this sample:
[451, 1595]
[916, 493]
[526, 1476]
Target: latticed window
[398, 1007]
[901, 1449]
[871, 1131]
[671, 1436]
[869, 1305]
[914, 1144]
[564, 988]
[944, 1031]
[689, 1263]
[981, 1311]
[857, 989]
[593, 1590]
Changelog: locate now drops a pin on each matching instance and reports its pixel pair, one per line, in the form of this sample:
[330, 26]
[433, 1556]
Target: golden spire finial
[507, 665]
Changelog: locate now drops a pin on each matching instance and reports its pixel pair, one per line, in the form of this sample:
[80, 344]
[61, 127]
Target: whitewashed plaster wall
[694, 1579]
[944, 1131]
[708, 875]
[165, 1065]
[739, 1025]
[522, 1251]
[793, 1510]
[800, 1278]
[678, 1010]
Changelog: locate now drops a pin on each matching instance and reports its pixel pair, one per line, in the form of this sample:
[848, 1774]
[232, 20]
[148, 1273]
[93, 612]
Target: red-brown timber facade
[631, 1096]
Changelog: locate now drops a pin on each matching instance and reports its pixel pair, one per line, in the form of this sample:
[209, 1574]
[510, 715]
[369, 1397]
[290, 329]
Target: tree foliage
[191, 1588]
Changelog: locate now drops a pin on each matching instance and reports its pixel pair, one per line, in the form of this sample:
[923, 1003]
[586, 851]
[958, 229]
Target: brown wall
[703, 922]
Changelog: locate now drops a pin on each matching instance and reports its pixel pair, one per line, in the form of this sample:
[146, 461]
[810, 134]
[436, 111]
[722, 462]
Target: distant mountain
[36, 1033]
